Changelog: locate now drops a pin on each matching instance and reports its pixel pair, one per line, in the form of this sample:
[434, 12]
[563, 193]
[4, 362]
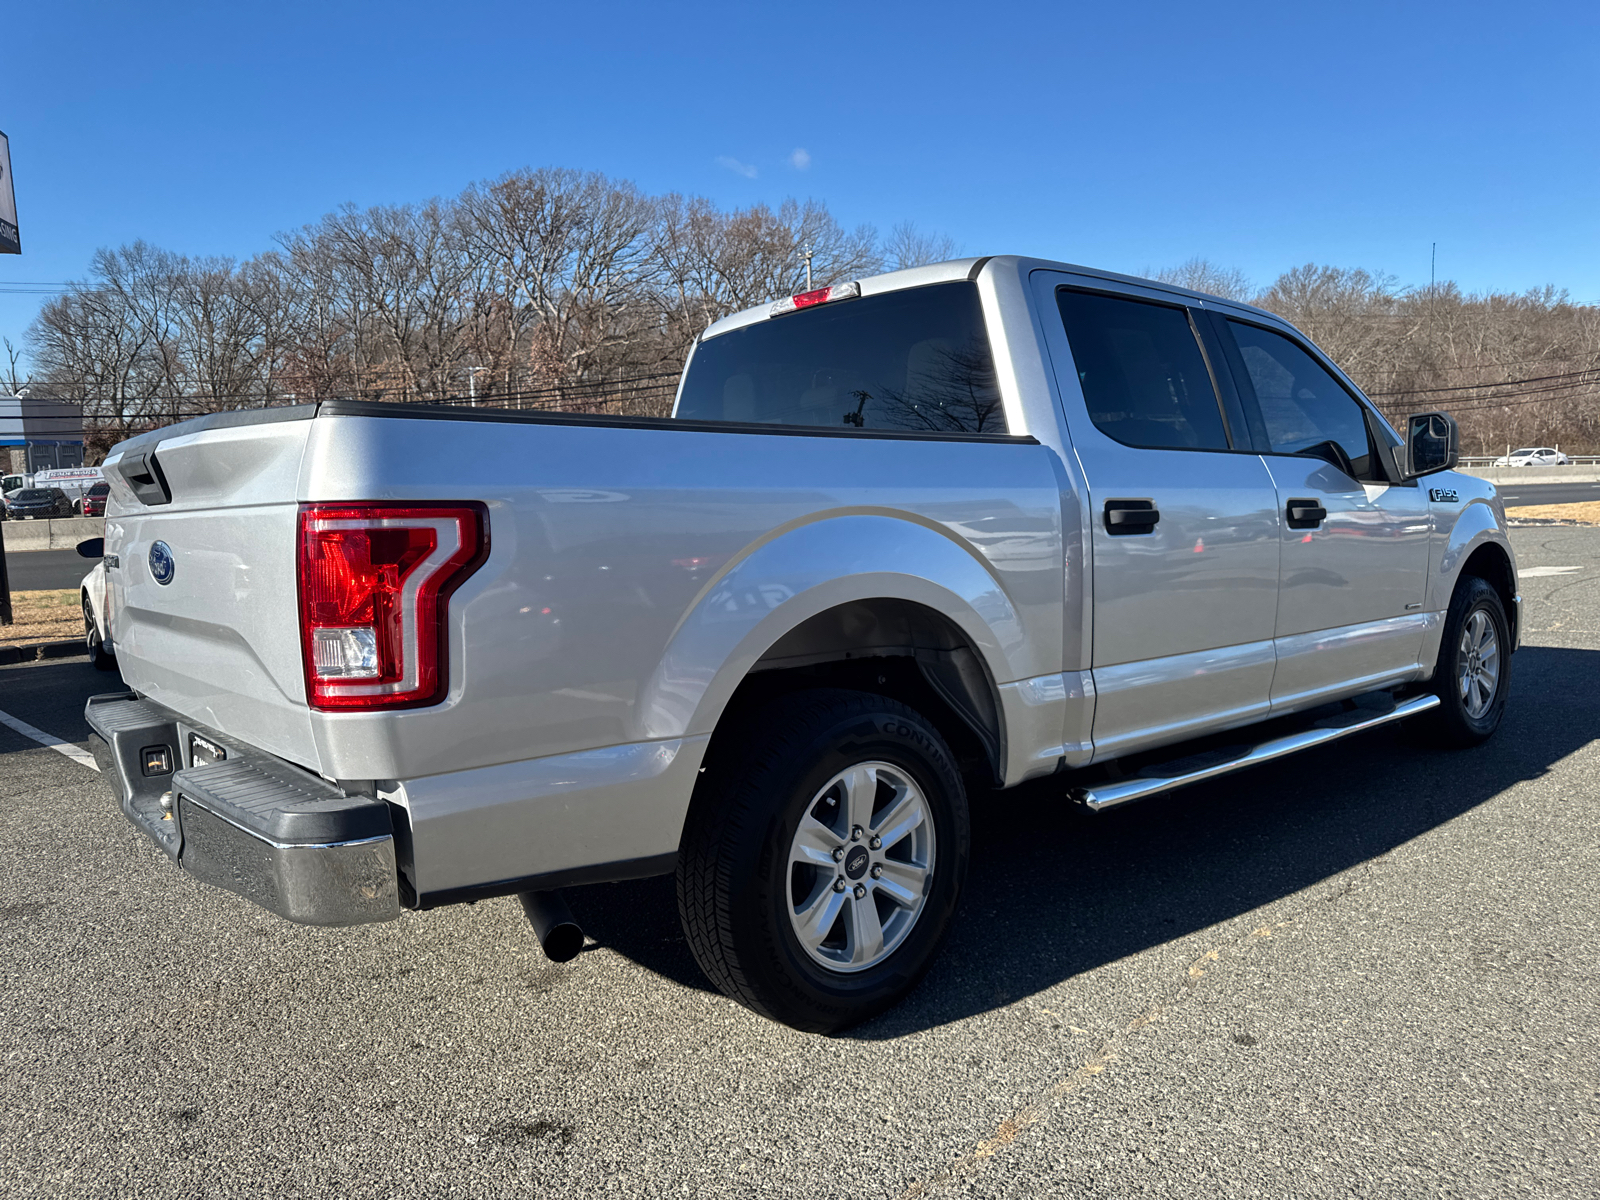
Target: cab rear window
[910, 361]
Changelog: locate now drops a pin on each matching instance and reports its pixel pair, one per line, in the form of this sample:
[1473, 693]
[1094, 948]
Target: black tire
[98, 655]
[1455, 723]
[734, 873]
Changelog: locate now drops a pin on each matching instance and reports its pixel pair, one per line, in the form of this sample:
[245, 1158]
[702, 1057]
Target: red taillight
[839, 291]
[375, 580]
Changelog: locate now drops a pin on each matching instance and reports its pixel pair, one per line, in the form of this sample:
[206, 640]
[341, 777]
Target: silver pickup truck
[904, 542]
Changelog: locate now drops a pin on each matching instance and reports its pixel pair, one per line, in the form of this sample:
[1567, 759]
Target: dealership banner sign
[10, 239]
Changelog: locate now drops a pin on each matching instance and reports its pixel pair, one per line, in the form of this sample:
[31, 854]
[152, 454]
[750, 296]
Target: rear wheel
[823, 858]
[1473, 673]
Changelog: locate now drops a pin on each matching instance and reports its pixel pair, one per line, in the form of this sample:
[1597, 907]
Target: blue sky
[1259, 135]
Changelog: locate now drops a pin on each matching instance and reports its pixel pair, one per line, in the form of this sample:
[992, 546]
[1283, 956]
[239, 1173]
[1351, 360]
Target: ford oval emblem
[162, 565]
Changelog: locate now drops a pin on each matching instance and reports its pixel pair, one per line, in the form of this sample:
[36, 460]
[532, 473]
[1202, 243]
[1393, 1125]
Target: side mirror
[92, 547]
[1433, 443]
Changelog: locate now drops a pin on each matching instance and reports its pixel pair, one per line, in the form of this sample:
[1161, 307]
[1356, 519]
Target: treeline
[563, 289]
[542, 288]
[1513, 369]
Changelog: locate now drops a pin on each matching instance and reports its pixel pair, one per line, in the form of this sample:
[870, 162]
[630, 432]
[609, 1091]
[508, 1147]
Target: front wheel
[822, 860]
[1473, 673]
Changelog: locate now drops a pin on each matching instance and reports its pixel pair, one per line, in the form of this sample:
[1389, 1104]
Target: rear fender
[804, 570]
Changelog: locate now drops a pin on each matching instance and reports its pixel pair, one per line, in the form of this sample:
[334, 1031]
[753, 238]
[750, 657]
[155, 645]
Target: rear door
[1184, 516]
[1355, 545]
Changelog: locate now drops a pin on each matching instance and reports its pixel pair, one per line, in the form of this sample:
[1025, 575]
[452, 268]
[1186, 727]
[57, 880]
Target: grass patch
[48, 616]
[1586, 512]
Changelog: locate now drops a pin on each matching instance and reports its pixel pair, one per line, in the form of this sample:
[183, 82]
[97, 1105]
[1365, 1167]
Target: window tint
[915, 360]
[100, 489]
[1142, 373]
[1305, 409]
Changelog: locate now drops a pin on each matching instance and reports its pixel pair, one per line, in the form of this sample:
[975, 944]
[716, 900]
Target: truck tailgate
[219, 640]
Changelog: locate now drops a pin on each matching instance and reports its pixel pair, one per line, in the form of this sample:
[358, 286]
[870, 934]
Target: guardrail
[62, 534]
[1489, 460]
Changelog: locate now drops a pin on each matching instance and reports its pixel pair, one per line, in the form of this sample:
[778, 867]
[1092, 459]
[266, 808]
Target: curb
[41, 650]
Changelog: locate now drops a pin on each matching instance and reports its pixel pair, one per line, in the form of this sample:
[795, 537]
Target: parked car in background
[74, 481]
[93, 503]
[94, 594]
[1533, 456]
[31, 503]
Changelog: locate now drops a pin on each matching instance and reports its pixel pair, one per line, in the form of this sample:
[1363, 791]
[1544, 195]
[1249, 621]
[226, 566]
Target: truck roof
[970, 268]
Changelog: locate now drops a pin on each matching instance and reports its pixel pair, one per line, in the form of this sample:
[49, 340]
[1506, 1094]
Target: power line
[1467, 387]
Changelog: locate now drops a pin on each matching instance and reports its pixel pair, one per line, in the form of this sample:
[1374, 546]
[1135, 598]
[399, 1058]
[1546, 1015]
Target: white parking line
[1540, 572]
[76, 753]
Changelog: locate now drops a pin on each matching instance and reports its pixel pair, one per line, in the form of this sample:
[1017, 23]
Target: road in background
[41, 570]
[1365, 970]
[1517, 496]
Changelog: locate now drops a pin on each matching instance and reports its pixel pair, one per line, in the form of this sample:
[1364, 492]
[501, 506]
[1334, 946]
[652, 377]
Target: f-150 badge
[1442, 495]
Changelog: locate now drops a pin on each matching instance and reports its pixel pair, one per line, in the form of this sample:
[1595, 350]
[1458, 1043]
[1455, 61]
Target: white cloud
[737, 167]
[800, 159]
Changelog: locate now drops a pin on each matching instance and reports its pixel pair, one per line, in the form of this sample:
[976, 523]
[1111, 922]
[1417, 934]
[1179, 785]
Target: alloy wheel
[860, 866]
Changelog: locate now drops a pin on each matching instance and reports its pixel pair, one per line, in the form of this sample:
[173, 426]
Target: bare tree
[565, 255]
[1203, 275]
[13, 382]
[907, 246]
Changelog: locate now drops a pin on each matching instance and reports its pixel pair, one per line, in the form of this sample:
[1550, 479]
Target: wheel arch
[902, 649]
[1491, 563]
[1477, 545]
[818, 601]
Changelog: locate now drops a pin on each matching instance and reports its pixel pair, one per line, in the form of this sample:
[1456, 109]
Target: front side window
[1142, 372]
[1306, 410]
[912, 361]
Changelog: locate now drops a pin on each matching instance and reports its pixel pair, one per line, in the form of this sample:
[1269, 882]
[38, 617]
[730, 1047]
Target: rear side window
[1306, 410]
[1143, 376]
[914, 361]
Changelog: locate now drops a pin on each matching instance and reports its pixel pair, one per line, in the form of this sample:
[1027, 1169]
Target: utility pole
[806, 254]
[1433, 270]
[5, 581]
[472, 385]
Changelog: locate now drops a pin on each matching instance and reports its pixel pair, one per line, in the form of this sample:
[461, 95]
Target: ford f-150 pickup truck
[904, 542]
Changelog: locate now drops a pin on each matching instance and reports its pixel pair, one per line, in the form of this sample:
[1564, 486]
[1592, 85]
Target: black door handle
[1306, 514]
[1124, 517]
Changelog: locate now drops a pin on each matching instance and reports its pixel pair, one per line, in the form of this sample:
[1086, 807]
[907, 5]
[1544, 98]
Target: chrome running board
[1111, 793]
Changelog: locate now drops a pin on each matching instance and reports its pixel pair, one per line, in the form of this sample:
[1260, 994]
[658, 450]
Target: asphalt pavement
[41, 570]
[1517, 495]
[1365, 971]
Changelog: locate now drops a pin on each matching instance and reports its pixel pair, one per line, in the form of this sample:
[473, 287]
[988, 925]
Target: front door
[1355, 546]
[1184, 527]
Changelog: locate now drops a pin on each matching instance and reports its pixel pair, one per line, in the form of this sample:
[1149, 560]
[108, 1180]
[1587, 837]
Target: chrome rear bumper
[250, 823]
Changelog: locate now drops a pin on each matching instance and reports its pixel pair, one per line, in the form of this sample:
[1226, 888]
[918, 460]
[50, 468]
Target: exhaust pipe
[559, 935]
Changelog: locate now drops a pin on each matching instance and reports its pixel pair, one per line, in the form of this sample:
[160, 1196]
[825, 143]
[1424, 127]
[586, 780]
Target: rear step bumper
[250, 823]
[1164, 777]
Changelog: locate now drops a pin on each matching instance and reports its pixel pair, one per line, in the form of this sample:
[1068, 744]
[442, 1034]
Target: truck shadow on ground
[1055, 891]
